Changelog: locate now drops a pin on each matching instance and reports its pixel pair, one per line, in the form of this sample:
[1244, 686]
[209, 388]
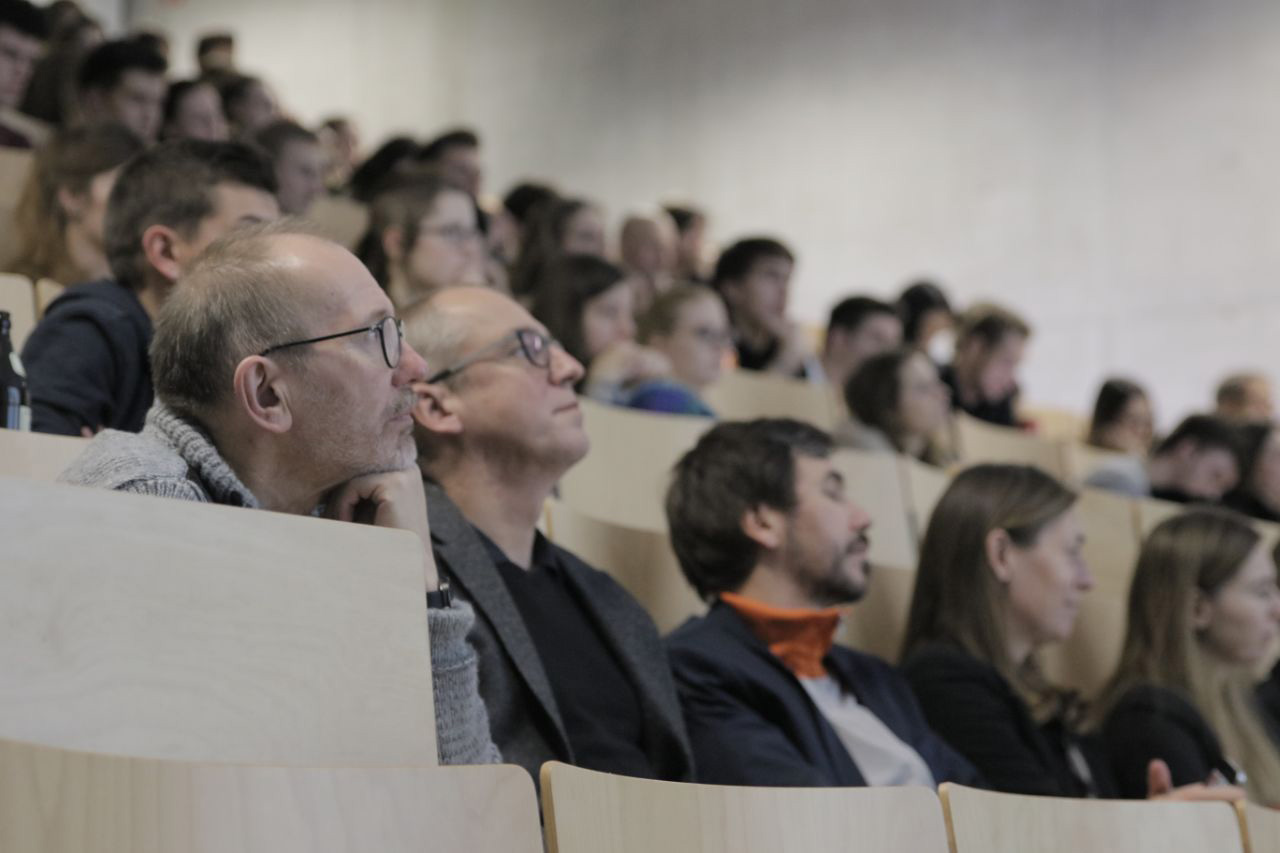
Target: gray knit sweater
[173, 457]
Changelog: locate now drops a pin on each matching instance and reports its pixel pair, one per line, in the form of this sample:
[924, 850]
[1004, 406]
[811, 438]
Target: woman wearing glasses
[690, 326]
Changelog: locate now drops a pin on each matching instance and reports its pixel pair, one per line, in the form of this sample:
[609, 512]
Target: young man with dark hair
[123, 81]
[860, 327]
[753, 276]
[298, 158]
[762, 528]
[87, 358]
[1198, 461]
[216, 53]
[983, 375]
[22, 34]
[457, 154]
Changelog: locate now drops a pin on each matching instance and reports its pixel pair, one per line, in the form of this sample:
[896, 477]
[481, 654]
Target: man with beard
[762, 528]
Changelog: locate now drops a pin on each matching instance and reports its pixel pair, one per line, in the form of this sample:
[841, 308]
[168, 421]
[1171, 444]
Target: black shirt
[598, 703]
[993, 412]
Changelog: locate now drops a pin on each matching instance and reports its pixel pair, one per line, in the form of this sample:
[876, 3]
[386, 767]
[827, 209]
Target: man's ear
[160, 247]
[999, 551]
[262, 394]
[437, 409]
[392, 242]
[765, 526]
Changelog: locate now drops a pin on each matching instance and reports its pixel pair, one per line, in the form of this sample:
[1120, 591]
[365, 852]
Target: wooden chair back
[1083, 459]
[158, 628]
[15, 168]
[1054, 424]
[923, 485]
[58, 801]
[35, 455]
[342, 220]
[1259, 827]
[875, 482]
[747, 394]
[47, 290]
[978, 441]
[18, 297]
[987, 822]
[603, 813]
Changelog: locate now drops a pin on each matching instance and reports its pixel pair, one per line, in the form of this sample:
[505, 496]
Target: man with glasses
[571, 667]
[282, 382]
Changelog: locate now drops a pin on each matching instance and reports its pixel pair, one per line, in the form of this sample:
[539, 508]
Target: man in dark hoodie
[86, 360]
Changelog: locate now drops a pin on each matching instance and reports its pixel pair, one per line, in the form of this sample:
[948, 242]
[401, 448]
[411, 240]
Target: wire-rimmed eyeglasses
[390, 332]
[532, 344]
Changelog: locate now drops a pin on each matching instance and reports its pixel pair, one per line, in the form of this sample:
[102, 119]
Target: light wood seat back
[978, 441]
[47, 290]
[625, 475]
[342, 220]
[15, 169]
[1054, 424]
[37, 456]
[18, 297]
[1260, 827]
[641, 560]
[159, 628]
[987, 822]
[742, 395]
[603, 813]
[923, 485]
[56, 801]
[1083, 459]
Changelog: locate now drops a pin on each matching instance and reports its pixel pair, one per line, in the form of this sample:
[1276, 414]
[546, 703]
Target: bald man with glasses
[282, 382]
[571, 667]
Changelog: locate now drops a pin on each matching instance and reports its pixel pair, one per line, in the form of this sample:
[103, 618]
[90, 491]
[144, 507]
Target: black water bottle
[15, 403]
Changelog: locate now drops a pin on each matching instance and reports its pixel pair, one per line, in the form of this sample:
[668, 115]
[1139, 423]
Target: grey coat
[523, 715]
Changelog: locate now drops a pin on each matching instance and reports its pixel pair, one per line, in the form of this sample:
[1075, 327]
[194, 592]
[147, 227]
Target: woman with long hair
[1122, 419]
[898, 404]
[1204, 610]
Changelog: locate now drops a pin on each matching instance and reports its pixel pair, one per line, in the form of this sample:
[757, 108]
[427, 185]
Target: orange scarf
[800, 638]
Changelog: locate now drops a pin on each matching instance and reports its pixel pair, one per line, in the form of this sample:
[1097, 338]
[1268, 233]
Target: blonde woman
[1204, 611]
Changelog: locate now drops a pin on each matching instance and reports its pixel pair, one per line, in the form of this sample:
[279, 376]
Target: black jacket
[974, 709]
[86, 361]
[752, 723]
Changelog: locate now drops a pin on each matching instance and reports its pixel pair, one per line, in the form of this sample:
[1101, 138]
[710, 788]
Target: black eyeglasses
[532, 344]
[390, 334]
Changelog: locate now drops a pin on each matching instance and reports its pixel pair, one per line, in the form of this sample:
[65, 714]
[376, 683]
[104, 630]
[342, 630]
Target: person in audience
[587, 305]
[248, 105]
[393, 159]
[1269, 690]
[298, 159]
[1204, 612]
[859, 327]
[571, 667]
[762, 528]
[648, 249]
[154, 41]
[50, 95]
[123, 81]
[927, 319]
[456, 155]
[1244, 397]
[753, 276]
[1198, 461]
[216, 56]
[563, 226]
[690, 327]
[691, 227]
[510, 227]
[423, 237]
[1122, 418]
[261, 404]
[86, 359]
[341, 143]
[898, 405]
[1002, 575]
[22, 33]
[983, 374]
[1258, 492]
[193, 110]
[59, 219]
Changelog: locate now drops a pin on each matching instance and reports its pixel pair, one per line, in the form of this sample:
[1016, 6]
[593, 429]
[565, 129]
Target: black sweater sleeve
[1149, 723]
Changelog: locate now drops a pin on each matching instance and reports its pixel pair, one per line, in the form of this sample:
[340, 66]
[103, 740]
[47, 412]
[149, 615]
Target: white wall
[1107, 167]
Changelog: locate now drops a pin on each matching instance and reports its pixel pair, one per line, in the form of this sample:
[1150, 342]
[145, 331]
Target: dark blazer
[1153, 722]
[752, 723]
[523, 716]
[973, 708]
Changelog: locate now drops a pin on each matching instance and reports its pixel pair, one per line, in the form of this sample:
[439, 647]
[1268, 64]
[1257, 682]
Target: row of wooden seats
[25, 301]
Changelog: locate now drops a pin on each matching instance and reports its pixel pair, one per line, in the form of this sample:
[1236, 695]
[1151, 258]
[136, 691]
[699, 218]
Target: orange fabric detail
[800, 638]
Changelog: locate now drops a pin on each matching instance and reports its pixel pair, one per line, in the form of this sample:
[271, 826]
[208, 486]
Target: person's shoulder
[104, 296]
[132, 462]
[1126, 473]
[666, 396]
[1148, 700]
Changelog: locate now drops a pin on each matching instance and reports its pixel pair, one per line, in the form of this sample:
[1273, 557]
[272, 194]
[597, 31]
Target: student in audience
[123, 81]
[762, 528]
[898, 405]
[265, 400]
[216, 56]
[983, 374]
[1198, 461]
[691, 227]
[1122, 418]
[690, 326]
[341, 142]
[1258, 492]
[510, 227]
[298, 159]
[59, 219]
[859, 327]
[248, 105]
[154, 41]
[1204, 612]
[393, 159]
[571, 667]
[648, 249]
[423, 237]
[1002, 575]
[753, 276]
[86, 360]
[1269, 690]
[193, 110]
[565, 226]
[927, 319]
[50, 95]
[1244, 397]
[586, 304]
[22, 33]
[456, 154]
